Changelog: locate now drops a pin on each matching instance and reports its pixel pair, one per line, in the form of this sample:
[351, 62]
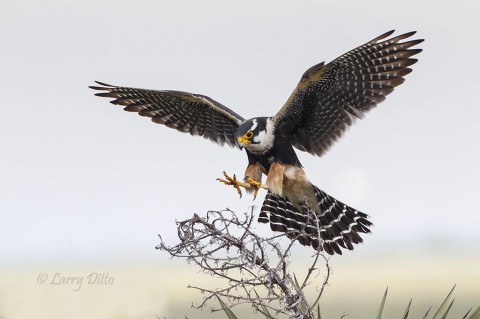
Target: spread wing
[186, 112]
[330, 97]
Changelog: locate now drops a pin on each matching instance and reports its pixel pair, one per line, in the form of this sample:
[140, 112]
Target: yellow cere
[243, 140]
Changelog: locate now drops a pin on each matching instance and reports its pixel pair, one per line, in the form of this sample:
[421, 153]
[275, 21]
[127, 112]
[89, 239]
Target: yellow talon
[255, 185]
[248, 183]
[234, 182]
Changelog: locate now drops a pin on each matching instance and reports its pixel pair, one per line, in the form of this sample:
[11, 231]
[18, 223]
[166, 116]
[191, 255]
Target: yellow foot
[255, 185]
[234, 182]
[248, 184]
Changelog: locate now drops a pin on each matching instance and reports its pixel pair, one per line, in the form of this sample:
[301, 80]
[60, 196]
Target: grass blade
[426, 314]
[407, 311]
[264, 310]
[319, 315]
[303, 304]
[443, 305]
[228, 312]
[465, 317]
[448, 310]
[382, 305]
[474, 315]
[297, 286]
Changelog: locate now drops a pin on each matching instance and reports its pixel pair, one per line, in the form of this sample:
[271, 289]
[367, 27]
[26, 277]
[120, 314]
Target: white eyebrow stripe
[254, 126]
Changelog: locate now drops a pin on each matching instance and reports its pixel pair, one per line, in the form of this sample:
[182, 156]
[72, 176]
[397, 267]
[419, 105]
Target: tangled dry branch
[257, 270]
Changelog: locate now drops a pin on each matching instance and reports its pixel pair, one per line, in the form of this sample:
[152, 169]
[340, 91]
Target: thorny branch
[256, 268]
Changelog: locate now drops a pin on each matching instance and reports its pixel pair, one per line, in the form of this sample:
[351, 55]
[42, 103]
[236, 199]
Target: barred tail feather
[336, 225]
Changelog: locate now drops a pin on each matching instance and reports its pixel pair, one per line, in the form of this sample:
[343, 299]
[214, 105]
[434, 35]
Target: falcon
[326, 102]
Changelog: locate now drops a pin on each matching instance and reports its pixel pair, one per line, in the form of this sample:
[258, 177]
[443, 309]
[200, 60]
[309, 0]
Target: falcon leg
[255, 185]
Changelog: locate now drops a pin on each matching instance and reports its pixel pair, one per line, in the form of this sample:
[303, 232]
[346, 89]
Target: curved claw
[248, 183]
[255, 185]
[232, 181]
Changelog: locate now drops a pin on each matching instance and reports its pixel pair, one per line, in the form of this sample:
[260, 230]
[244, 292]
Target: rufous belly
[291, 181]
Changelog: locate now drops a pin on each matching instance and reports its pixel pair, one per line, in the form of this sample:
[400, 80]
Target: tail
[336, 225]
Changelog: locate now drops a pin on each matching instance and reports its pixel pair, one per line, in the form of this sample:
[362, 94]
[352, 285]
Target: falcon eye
[249, 134]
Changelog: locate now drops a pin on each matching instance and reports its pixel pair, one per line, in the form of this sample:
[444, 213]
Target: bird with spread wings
[326, 101]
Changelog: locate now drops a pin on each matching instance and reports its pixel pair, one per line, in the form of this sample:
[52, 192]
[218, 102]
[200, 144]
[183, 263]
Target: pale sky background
[82, 181]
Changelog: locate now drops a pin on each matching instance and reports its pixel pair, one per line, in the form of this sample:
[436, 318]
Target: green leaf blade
[382, 305]
[228, 312]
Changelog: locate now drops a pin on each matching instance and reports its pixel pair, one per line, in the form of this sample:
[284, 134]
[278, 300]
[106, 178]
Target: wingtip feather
[383, 36]
[104, 84]
[106, 94]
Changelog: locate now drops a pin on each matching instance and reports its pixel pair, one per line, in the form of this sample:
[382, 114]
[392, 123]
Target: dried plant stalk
[256, 269]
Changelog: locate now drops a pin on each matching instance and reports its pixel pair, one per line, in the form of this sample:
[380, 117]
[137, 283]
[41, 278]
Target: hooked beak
[242, 142]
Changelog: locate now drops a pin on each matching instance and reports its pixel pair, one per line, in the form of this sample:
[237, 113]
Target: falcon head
[256, 135]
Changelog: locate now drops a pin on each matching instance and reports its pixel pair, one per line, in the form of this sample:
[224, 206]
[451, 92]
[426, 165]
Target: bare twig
[224, 245]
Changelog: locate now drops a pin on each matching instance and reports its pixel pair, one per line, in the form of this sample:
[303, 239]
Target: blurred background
[85, 187]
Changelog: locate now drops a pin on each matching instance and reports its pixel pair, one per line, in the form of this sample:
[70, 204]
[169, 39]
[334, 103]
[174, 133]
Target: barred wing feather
[330, 97]
[186, 112]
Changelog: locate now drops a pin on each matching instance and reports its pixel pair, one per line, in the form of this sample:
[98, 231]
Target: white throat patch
[263, 142]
